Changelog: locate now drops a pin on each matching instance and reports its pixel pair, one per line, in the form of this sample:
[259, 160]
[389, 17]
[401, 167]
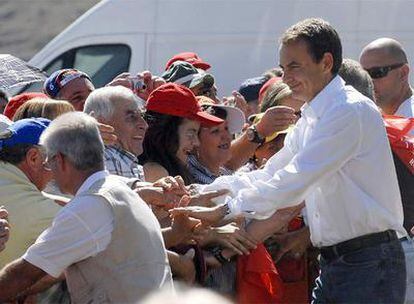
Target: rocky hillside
[27, 25]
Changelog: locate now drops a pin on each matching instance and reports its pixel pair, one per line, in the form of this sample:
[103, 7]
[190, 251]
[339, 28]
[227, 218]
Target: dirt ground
[26, 26]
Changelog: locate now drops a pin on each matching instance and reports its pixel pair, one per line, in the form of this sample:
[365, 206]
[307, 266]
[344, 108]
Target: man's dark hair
[320, 38]
[16, 154]
[354, 75]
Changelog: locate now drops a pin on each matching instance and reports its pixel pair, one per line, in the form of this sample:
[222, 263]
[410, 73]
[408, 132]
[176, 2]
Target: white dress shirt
[337, 159]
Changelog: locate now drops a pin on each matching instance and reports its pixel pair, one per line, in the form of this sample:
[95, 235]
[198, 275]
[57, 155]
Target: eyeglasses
[135, 116]
[47, 164]
[379, 72]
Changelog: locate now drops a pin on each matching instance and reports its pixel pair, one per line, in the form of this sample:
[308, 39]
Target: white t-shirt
[406, 109]
[80, 230]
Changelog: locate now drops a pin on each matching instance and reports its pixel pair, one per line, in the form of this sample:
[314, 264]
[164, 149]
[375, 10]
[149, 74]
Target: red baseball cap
[16, 101]
[177, 100]
[189, 57]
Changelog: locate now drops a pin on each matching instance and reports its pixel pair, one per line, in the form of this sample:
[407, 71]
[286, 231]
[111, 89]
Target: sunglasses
[379, 72]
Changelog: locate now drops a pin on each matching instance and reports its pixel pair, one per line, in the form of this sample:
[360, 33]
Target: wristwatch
[253, 135]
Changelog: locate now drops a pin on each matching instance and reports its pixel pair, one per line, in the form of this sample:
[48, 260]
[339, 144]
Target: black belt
[369, 240]
[403, 239]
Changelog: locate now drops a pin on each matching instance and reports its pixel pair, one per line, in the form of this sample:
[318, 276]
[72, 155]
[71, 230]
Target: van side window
[102, 62]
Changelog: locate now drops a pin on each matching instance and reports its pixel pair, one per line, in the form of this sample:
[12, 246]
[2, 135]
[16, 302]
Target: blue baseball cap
[24, 131]
[250, 88]
[59, 79]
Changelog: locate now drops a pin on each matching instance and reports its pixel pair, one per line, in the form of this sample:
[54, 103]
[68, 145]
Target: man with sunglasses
[386, 62]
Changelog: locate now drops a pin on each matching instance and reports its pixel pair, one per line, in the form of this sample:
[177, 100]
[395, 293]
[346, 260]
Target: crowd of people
[296, 188]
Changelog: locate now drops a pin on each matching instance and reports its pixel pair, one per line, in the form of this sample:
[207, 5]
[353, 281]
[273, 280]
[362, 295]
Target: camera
[137, 84]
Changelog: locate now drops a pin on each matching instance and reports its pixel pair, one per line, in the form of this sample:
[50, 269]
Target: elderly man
[329, 161]
[106, 240]
[122, 109]
[22, 178]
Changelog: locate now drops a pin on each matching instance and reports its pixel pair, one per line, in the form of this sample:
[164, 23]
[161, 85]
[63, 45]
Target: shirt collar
[313, 110]
[123, 153]
[91, 180]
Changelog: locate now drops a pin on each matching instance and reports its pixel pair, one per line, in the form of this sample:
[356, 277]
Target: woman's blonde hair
[54, 108]
[43, 107]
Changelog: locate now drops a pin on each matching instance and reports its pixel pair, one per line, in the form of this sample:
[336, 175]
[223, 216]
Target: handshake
[170, 193]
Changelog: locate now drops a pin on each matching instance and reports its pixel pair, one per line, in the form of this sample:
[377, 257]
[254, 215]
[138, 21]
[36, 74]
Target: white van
[239, 38]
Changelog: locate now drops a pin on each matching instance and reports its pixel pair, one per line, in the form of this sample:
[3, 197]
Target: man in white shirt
[339, 161]
[106, 239]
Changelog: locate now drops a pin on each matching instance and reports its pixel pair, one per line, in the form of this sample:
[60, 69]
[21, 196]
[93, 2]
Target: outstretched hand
[204, 199]
[174, 184]
[208, 215]
[234, 237]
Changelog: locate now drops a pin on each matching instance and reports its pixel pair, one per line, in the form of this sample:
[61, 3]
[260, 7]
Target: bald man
[386, 62]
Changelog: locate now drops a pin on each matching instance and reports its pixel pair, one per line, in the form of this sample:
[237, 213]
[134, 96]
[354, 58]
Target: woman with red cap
[174, 118]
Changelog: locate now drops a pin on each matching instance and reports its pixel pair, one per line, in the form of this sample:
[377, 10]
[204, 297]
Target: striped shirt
[201, 174]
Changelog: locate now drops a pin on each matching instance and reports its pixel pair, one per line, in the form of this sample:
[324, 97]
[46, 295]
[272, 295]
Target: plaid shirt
[123, 163]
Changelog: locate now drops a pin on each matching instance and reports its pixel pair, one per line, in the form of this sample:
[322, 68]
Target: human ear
[404, 72]
[327, 62]
[34, 157]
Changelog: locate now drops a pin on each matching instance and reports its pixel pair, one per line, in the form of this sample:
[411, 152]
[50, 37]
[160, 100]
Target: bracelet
[217, 253]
